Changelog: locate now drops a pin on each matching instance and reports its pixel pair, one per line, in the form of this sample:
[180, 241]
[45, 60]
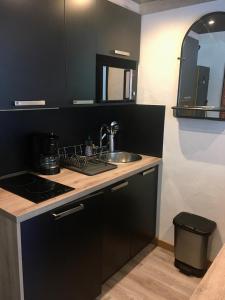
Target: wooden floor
[149, 276]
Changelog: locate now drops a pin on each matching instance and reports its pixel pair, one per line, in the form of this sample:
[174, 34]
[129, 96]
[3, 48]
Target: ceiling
[152, 6]
[143, 1]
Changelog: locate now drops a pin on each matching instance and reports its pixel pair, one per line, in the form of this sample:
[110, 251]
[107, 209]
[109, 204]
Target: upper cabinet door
[32, 59]
[118, 29]
[81, 50]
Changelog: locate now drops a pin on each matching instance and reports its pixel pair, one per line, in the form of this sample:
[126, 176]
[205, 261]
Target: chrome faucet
[114, 128]
[110, 132]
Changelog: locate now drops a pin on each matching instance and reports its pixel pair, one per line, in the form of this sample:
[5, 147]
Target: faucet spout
[114, 128]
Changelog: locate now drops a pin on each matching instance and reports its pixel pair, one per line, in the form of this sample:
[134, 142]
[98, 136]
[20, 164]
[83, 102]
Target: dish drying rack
[74, 158]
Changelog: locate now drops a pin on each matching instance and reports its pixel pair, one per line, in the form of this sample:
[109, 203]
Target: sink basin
[122, 157]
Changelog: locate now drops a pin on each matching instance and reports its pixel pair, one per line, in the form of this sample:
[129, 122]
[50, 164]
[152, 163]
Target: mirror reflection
[118, 84]
[202, 70]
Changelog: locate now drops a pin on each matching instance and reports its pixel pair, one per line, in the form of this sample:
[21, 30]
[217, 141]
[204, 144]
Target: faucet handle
[114, 127]
[104, 135]
[104, 126]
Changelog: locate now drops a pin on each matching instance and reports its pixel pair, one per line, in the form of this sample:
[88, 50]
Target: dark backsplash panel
[141, 130]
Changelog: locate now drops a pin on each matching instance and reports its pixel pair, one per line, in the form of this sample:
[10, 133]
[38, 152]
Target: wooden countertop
[212, 286]
[20, 209]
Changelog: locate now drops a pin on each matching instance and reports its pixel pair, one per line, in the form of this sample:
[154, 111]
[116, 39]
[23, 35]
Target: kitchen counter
[20, 209]
[212, 286]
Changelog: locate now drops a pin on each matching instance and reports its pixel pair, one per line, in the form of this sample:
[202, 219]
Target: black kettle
[45, 153]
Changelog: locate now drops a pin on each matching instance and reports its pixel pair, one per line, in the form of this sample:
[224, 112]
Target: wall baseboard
[163, 245]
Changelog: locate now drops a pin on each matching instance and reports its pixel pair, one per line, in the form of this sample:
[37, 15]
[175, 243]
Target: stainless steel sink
[122, 157]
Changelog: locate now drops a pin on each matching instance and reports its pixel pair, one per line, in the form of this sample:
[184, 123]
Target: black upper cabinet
[118, 29]
[48, 48]
[80, 50]
[61, 252]
[32, 55]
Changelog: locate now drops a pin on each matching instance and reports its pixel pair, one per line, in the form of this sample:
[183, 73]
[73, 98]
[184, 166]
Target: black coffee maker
[45, 153]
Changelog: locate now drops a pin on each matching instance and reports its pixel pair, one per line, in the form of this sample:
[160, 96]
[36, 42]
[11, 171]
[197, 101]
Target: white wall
[194, 150]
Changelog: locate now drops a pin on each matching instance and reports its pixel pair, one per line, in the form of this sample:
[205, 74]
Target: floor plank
[151, 275]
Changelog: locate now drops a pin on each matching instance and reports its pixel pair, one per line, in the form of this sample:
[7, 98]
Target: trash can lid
[194, 223]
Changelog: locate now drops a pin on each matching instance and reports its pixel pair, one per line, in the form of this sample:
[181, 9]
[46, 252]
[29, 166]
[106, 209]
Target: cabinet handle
[119, 186]
[148, 172]
[83, 102]
[68, 212]
[77, 208]
[30, 103]
[123, 53]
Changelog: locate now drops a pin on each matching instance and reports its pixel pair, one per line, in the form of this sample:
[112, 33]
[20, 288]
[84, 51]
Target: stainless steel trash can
[191, 243]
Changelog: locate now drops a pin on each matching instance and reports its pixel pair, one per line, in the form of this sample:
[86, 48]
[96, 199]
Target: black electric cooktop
[33, 187]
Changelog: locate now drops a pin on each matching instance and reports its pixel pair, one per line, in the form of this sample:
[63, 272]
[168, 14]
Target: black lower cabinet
[129, 219]
[69, 252]
[116, 229]
[143, 202]
[61, 252]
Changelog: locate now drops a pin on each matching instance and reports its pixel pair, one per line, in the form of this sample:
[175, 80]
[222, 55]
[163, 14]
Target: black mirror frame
[177, 110]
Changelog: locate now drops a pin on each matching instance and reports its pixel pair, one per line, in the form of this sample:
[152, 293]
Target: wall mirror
[201, 92]
[116, 79]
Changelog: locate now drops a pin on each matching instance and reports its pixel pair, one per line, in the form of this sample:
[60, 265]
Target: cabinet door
[118, 29]
[81, 50]
[32, 56]
[116, 229]
[143, 201]
[61, 252]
